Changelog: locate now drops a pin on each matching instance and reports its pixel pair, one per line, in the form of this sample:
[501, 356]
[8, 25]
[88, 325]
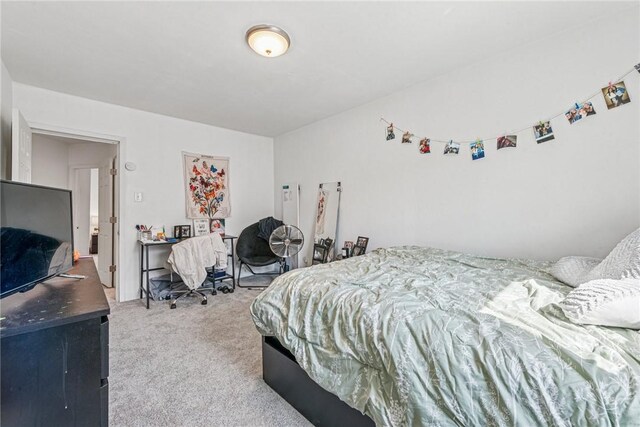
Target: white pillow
[571, 270]
[623, 261]
[605, 302]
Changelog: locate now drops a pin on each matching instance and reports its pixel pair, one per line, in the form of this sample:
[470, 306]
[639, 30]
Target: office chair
[177, 294]
[191, 258]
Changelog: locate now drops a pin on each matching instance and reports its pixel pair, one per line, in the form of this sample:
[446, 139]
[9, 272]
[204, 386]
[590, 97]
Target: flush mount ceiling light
[268, 40]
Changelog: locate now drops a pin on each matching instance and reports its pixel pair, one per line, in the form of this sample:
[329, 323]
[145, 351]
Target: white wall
[6, 106]
[81, 208]
[578, 194]
[93, 204]
[91, 154]
[154, 143]
[49, 162]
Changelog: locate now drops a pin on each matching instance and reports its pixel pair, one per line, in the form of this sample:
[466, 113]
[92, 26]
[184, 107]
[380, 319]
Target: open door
[20, 148]
[106, 218]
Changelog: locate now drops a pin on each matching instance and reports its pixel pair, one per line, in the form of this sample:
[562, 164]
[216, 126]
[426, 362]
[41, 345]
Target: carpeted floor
[193, 366]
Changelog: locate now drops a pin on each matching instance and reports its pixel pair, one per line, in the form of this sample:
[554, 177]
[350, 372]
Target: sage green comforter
[416, 336]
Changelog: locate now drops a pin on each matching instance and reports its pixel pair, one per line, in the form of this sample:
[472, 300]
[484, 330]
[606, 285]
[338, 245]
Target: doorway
[88, 169]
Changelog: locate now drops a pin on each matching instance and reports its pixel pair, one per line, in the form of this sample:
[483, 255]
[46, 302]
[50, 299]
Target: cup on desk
[144, 235]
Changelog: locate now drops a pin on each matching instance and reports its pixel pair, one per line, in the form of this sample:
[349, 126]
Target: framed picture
[177, 230]
[361, 246]
[200, 226]
[217, 226]
[347, 249]
[185, 231]
[320, 253]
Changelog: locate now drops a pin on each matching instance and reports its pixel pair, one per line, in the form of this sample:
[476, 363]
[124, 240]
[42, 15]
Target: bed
[422, 336]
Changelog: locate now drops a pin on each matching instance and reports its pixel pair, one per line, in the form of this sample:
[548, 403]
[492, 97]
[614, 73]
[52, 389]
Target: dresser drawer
[104, 347]
[104, 402]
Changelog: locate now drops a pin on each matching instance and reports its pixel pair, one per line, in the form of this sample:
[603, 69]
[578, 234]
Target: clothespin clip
[610, 84]
[577, 106]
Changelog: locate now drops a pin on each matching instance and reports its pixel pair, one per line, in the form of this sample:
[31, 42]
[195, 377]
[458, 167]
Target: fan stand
[282, 269]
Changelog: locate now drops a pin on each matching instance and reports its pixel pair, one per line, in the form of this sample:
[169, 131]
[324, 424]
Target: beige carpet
[193, 366]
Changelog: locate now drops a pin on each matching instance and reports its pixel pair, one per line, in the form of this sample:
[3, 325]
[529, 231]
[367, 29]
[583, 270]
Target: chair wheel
[203, 302]
[172, 306]
[231, 290]
[224, 290]
[214, 292]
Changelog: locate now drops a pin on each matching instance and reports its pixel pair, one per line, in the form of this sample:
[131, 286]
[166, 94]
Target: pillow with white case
[605, 302]
[572, 270]
[623, 262]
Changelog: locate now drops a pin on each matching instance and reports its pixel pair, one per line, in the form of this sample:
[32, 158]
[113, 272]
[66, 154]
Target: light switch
[137, 197]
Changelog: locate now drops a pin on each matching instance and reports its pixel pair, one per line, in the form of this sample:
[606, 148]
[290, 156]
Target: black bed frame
[322, 408]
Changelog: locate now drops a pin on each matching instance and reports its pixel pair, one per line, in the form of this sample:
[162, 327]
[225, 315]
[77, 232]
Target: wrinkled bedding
[421, 336]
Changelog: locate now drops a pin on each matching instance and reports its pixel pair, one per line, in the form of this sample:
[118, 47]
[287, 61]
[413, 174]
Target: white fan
[286, 241]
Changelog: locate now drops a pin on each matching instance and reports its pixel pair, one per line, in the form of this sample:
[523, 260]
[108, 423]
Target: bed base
[322, 408]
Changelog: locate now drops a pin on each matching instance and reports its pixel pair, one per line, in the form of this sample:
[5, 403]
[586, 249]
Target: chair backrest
[250, 245]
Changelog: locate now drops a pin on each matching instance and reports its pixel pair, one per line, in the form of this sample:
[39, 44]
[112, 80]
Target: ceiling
[190, 60]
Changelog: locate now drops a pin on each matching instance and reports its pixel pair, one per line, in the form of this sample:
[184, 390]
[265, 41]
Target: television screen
[36, 234]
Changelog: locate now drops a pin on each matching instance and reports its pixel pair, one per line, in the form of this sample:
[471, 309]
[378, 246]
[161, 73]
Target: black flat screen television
[36, 234]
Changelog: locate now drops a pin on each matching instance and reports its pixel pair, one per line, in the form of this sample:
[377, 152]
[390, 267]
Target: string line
[515, 132]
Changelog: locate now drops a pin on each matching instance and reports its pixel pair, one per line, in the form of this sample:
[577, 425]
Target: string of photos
[615, 95]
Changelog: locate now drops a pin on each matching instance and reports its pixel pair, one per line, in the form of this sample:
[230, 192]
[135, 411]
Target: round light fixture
[268, 40]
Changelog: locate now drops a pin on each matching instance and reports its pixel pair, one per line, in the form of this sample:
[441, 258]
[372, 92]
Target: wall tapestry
[207, 186]
[326, 218]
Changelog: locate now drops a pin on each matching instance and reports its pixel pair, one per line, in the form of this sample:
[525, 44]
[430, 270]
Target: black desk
[144, 263]
[55, 353]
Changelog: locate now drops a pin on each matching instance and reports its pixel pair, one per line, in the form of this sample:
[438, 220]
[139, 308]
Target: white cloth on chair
[191, 257]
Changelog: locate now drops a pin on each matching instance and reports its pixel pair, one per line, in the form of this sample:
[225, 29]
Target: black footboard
[283, 374]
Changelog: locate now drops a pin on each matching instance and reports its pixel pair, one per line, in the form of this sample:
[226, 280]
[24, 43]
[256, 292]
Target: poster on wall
[206, 186]
[326, 217]
[323, 199]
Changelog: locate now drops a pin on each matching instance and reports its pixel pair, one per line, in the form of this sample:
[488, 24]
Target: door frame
[120, 142]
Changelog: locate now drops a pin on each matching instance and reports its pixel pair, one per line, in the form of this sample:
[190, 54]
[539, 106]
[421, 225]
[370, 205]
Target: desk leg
[147, 249]
[233, 266]
[141, 268]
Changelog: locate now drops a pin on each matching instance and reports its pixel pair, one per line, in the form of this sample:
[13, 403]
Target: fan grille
[286, 241]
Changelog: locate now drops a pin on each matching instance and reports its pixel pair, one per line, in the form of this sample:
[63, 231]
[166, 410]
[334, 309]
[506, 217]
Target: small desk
[144, 264]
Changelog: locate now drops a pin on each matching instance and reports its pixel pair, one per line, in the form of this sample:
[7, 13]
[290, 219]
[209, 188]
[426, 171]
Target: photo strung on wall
[477, 150]
[579, 111]
[452, 148]
[506, 141]
[425, 146]
[615, 95]
[543, 132]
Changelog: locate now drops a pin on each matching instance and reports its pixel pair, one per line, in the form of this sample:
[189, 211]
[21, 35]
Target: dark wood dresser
[54, 353]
